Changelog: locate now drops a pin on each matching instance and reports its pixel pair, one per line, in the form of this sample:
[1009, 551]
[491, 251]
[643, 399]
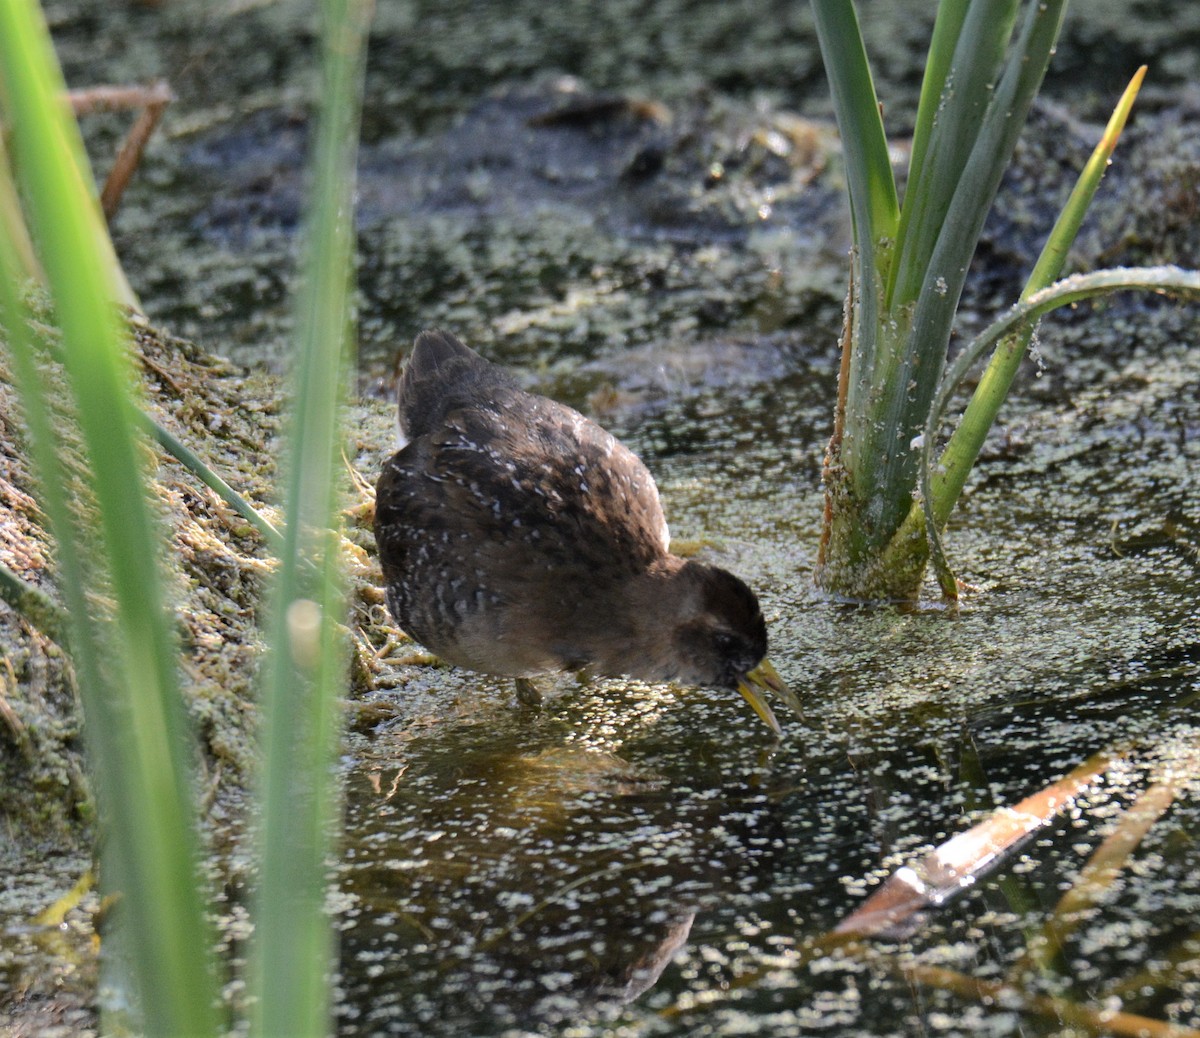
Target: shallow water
[507, 872]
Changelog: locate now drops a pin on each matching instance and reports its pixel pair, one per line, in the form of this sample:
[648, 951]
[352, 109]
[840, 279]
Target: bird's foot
[528, 693]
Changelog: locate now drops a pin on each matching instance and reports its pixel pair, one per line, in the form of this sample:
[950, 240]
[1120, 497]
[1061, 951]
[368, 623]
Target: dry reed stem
[1099, 873]
[1097, 1021]
[955, 866]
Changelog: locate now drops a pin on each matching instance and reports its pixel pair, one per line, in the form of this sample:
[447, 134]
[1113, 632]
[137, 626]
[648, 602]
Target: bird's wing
[542, 465]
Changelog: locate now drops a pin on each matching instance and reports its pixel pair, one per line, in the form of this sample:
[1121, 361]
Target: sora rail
[518, 538]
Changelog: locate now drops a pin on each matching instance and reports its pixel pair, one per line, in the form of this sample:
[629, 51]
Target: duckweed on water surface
[504, 874]
[512, 869]
[499, 872]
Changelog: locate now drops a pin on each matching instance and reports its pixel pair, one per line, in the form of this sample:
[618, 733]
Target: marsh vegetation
[662, 243]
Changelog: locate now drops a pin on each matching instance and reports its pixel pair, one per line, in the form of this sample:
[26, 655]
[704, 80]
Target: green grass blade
[921, 362]
[12, 224]
[952, 129]
[974, 190]
[292, 954]
[873, 206]
[968, 437]
[946, 30]
[201, 470]
[31, 602]
[873, 202]
[1066, 227]
[135, 718]
[1022, 316]
[196, 465]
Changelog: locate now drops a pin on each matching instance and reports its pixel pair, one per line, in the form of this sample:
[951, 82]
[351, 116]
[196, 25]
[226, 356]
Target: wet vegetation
[662, 243]
[909, 264]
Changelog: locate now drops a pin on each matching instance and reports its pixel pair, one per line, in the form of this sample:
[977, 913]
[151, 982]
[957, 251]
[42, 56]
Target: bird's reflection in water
[484, 889]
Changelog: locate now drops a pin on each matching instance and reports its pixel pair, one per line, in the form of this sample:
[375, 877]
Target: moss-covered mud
[660, 242]
[217, 565]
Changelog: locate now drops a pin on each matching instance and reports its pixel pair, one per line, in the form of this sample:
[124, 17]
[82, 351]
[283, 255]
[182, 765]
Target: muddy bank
[217, 568]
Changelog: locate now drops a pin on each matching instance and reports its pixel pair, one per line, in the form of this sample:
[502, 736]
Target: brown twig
[91, 100]
[1096, 1021]
[988, 992]
[130, 155]
[1100, 872]
[152, 101]
[164, 376]
[956, 864]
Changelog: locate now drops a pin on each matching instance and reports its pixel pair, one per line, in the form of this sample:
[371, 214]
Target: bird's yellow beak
[765, 676]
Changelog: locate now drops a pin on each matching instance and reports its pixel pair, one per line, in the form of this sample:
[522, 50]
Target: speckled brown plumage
[519, 538]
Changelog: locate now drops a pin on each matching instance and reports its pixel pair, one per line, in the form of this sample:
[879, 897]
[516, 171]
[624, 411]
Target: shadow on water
[534, 883]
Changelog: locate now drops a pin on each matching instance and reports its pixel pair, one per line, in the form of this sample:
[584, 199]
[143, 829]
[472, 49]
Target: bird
[518, 538]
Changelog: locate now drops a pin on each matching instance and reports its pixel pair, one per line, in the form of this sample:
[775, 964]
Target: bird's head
[721, 639]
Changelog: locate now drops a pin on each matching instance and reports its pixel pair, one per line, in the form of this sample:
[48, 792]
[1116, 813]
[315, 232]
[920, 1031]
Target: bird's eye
[726, 643]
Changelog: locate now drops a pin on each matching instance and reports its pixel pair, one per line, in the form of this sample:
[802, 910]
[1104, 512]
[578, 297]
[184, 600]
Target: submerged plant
[909, 264]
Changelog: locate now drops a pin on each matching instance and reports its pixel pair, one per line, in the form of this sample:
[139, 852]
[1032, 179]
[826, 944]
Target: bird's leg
[528, 693]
